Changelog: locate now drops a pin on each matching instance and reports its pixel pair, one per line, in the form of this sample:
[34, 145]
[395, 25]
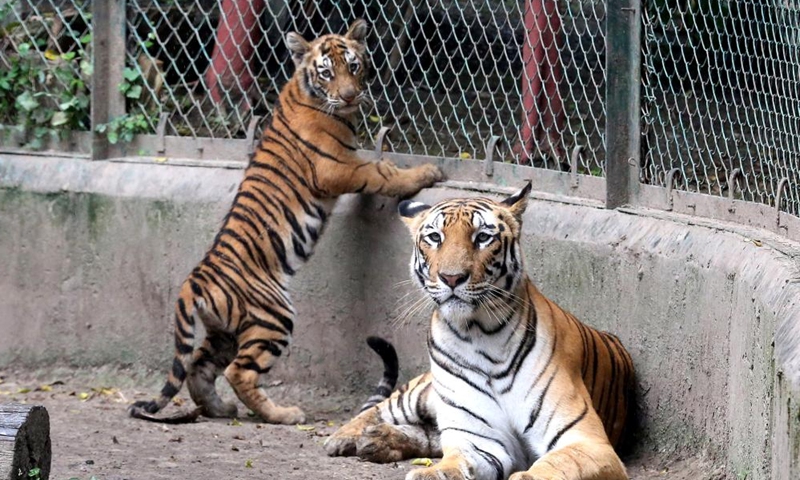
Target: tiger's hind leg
[259, 349]
[208, 362]
[402, 426]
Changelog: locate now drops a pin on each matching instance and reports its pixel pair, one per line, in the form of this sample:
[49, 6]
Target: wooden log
[24, 442]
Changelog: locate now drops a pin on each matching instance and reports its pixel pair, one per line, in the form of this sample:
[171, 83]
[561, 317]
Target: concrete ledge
[93, 253]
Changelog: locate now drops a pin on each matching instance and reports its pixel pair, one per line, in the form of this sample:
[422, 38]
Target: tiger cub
[518, 387]
[305, 159]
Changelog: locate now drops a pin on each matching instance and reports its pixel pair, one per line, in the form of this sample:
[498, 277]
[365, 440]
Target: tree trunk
[24, 441]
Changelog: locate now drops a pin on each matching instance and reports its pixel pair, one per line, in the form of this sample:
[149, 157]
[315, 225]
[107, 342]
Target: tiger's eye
[483, 237]
[434, 237]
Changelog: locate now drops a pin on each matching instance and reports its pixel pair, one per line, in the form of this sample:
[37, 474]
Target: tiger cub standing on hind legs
[305, 159]
[518, 387]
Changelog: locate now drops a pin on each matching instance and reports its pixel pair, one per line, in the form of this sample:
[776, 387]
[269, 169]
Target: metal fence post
[108, 26]
[623, 104]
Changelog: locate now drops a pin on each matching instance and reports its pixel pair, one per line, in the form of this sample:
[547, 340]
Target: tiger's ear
[409, 211]
[358, 31]
[298, 46]
[518, 202]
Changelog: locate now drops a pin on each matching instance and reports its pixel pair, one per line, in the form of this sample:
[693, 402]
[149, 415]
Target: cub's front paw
[429, 174]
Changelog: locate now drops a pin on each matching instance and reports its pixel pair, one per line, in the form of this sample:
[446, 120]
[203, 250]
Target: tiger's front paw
[343, 441]
[527, 476]
[428, 175]
[340, 444]
[447, 469]
[417, 178]
[438, 473]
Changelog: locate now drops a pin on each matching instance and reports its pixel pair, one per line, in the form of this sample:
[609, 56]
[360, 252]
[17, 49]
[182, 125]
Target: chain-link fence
[720, 93]
[451, 74]
[721, 97]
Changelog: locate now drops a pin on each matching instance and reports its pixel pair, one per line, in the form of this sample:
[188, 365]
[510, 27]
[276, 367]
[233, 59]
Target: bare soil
[93, 436]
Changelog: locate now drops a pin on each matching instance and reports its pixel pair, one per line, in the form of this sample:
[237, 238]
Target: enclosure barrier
[690, 107]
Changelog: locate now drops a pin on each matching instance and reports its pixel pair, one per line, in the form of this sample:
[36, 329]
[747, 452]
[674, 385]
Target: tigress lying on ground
[516, 383]
[305, 159]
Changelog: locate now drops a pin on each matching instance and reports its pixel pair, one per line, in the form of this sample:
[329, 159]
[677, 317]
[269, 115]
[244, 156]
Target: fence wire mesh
[720, 79]
[721, 97]
[450, 74]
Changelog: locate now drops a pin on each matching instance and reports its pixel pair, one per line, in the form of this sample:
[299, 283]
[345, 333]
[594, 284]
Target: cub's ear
[518, 202]
[409, 211]
[358, 31]
[298, 46]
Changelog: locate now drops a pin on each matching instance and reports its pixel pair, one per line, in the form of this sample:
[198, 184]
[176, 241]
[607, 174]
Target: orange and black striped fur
[518, 387]
[306, 158]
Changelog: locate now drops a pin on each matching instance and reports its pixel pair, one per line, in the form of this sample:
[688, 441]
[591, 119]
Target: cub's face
[333, 69]
[466, 251]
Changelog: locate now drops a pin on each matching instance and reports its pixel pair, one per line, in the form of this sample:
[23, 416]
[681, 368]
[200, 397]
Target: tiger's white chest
[497, 383]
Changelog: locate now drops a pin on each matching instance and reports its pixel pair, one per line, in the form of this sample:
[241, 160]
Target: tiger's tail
[384, 389]
[186, 310]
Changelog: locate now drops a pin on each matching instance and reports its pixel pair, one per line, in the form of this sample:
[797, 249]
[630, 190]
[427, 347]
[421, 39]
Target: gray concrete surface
[93, 252]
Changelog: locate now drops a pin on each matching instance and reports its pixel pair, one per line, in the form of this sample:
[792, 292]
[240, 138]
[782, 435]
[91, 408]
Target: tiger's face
[466, 252]
[333, 69]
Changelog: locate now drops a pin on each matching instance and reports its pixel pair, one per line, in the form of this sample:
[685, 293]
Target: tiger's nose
[454, 280]
[348, 94]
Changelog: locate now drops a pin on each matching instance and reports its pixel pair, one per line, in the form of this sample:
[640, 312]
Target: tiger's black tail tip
[143, 406]
[146, 411]
[391, 367]
[388, 354]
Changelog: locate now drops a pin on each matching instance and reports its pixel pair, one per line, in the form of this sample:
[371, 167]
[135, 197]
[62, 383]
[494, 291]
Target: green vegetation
[45, 91]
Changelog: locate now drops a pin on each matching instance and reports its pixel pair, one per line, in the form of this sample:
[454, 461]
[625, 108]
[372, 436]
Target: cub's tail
[185, 312]
[384, 389]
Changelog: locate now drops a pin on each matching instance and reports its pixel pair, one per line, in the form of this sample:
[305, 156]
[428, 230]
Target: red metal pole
[236, 38]
[542, 113]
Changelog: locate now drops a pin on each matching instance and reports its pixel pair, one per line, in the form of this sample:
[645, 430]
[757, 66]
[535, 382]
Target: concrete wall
[91, 255]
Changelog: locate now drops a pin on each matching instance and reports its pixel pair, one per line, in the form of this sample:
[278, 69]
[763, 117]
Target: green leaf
[86, 38]
[87, 68]
[27, 102]
[113, 137]
[68, 104]
[59, 118]
[36, 143]
[24, 48]
[68, 56]
[134, 92]
[130, 74]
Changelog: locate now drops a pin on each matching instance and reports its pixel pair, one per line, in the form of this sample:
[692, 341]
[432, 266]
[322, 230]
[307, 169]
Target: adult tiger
[305, 159]
[517, 384]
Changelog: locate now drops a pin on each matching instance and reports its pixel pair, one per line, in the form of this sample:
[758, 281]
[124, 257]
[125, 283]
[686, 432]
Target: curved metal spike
[379, 141]
[488, 163]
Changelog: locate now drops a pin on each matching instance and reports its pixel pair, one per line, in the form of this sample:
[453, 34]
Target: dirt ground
[94, 438]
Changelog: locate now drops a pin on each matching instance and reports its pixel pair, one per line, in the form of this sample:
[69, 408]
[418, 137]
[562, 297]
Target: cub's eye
[325, 74]
[354, 67]
[483, 237]
[434, 237]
